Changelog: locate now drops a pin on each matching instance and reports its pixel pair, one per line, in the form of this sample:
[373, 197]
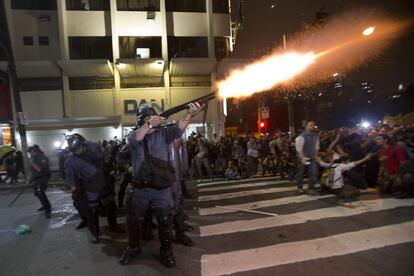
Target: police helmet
[145, 110]
[75, 141]
[34, 148]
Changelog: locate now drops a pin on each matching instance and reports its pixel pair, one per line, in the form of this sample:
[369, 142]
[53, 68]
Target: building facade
[86, 65]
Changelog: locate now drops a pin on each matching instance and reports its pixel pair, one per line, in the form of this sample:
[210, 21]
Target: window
[222, 47]
[220, 6]
[138, 5]
[39, 84]
[27, 40]
[186, 5]
[128, 46]
[87, 5]
[33, 4]
[95, 47]
[43, 40]
[187, 47]
[87, 83]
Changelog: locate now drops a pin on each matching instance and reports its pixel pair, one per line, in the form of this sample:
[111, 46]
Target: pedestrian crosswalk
[303, 228]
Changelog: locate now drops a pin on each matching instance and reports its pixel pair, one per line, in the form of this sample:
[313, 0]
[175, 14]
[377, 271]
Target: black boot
[188, 227]
[112, 222]
[165, 234]
[48, 214]
[185, 192]
[134, 235]
[147, 226]
[94, 226]
[82, 225]
[180, 227]
[129, 254]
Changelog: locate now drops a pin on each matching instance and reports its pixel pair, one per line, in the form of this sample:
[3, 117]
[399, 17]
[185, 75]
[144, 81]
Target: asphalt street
[285, 234]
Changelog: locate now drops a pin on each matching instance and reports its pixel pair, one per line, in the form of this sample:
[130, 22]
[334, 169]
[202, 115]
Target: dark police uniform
[82, 173]
[141, 198]
[40, 180]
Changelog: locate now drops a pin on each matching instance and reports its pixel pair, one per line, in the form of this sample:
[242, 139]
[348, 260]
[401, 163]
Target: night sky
[264, 27]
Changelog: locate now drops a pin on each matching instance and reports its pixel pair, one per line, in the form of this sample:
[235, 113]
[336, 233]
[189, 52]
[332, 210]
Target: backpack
[328, 176]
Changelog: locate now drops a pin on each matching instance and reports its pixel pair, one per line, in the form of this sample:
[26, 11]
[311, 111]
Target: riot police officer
[153, 176]
[85, 177]
[39, 168]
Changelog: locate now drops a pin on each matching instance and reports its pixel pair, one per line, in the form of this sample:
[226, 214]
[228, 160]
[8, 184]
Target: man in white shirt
[334, 179]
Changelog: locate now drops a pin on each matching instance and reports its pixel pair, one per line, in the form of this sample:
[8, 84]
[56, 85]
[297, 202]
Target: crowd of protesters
[342, 161]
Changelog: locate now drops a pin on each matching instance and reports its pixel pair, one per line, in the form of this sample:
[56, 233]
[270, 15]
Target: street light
[368, 31]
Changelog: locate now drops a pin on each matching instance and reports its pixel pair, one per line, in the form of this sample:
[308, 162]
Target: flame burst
[342, 44]
[265, 74]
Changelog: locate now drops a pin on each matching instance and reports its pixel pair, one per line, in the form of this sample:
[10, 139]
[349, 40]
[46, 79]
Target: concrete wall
[91, 103]
[221, 24]
[88, 23]
[188, 24]
[27, 23]
[133, 23]
[42, 104]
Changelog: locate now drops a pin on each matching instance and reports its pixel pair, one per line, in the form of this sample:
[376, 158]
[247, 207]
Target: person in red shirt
[390, 157]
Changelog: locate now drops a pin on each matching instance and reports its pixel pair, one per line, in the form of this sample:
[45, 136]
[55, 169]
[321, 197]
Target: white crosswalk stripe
[230, 187]
[246, 193]
[226, 225]
[302, 217]
[237, 261]
[227, 182]
[261, 204]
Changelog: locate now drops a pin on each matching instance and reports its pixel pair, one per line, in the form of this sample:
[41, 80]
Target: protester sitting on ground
[333, 180]
[231, 172]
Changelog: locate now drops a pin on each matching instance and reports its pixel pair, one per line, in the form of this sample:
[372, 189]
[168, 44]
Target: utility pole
[6, 47]
[290, 105]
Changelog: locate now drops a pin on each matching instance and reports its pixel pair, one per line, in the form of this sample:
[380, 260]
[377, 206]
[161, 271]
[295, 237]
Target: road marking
[231, 182]
[302, 217]
[261, 204]
[293, 252]
[258, 184]
[247, 193]
[248, 211]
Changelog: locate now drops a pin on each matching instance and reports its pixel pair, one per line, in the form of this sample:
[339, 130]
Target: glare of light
[400, 87]
[57, 144]
[272, 6]
[121, 65]
[335, 75]
[366, 124]
[64, 145]
[266, 73]
[379, 122]
[368, 31]
[262, 124]
[225, 107]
